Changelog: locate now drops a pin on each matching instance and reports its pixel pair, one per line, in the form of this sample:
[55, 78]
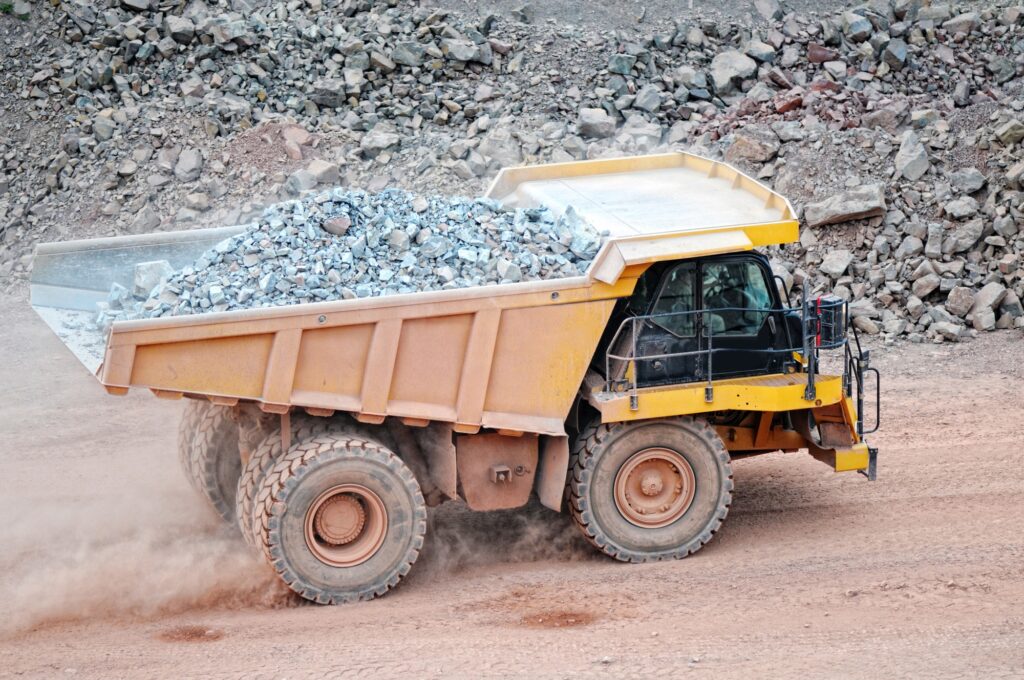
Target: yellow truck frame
[476, 392]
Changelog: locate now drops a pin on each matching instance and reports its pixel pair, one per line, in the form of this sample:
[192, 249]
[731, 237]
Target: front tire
[340, 518]
[650, 490]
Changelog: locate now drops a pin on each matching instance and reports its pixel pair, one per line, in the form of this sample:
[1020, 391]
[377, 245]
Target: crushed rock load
[343, 244]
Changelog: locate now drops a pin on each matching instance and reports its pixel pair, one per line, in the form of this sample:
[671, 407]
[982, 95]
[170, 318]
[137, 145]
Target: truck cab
[731, 300]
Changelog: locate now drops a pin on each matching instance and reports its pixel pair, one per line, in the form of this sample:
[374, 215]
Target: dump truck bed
[509, 357]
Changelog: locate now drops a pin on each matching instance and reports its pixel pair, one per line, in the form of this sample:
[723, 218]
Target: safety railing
[822, 328]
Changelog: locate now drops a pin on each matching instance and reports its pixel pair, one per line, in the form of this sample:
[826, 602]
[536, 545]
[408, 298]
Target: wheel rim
[346, 525]
[654, 488]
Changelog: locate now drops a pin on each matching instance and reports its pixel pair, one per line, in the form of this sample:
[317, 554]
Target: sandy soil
[111, 569]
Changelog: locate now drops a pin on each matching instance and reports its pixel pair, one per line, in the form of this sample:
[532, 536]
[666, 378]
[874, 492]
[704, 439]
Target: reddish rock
[817, 54]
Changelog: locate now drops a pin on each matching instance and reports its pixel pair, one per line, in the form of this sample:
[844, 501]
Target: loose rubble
[894, 127]
[342, 244]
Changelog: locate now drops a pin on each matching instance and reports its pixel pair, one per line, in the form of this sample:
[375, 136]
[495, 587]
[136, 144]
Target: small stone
[964, 23]
[912, 158]
[408, 54]
[856, 27]
[649, 98]
[179, 29]
[337, 225]
[127, 168]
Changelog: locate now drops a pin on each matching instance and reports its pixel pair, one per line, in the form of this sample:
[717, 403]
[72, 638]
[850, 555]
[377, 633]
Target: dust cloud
[459, 538]
[130, 555]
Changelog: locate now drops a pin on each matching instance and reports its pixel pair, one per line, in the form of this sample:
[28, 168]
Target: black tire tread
[272, 498]
[586, 449]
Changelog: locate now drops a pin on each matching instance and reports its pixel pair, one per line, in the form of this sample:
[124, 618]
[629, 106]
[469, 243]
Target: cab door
[742, 313]
[727, 303]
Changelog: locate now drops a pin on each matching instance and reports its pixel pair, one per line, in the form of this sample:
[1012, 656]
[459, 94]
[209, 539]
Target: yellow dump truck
[622, 396]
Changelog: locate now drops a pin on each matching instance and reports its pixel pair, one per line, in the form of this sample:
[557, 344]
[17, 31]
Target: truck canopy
[507, 357]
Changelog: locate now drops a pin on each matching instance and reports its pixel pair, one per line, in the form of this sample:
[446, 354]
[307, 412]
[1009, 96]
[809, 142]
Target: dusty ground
[110, 569]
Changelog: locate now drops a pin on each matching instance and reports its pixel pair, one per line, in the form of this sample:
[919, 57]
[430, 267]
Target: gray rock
[836, 262]
[149, 275]
[962, 208]
[964, 237]
[910, 247]
[968, 180]
[382, 137]
[189, 165]
[912, 158]
[859, 203]
[621, 63]
[769, 9]
[1010, 132]
[856, 27]
[408, 53]
[595, 123]
[989, 297]
[136, 5]
[948, 330]
[964, 23]
[501, 148]
[103, 127]
[145, 221]
[329, 92]
[179, 29]
[895, 54]
[926, 285]
[729, 68]
[960, 300]
[648, 98]
[322, 171]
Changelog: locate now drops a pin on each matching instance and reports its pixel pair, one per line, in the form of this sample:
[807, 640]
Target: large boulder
[382, 137]
[730, 68]
[836, 262]
[595, 123]
[864, 201]
[753, 143]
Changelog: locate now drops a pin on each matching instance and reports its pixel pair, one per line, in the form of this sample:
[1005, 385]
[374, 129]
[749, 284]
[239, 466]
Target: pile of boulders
[342, 244]
[894, 126]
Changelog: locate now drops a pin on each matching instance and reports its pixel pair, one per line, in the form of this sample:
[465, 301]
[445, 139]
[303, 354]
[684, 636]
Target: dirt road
[110, 569]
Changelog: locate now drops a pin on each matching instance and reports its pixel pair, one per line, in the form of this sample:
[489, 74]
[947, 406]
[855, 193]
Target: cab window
[678, 296]
[735, 297]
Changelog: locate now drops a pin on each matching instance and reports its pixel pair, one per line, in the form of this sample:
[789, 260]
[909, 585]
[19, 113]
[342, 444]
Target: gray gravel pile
[342, 244]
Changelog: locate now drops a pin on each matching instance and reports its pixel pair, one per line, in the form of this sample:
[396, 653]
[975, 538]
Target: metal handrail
[808, 348]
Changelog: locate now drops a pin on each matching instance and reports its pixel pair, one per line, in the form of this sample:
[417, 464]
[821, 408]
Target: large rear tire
[261, 460]
[211, 456]
[650, 490]
[341, 518]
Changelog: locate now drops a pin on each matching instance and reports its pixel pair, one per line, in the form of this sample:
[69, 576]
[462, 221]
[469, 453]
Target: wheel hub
[346, 525]
[340, 519]
[654, 487]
